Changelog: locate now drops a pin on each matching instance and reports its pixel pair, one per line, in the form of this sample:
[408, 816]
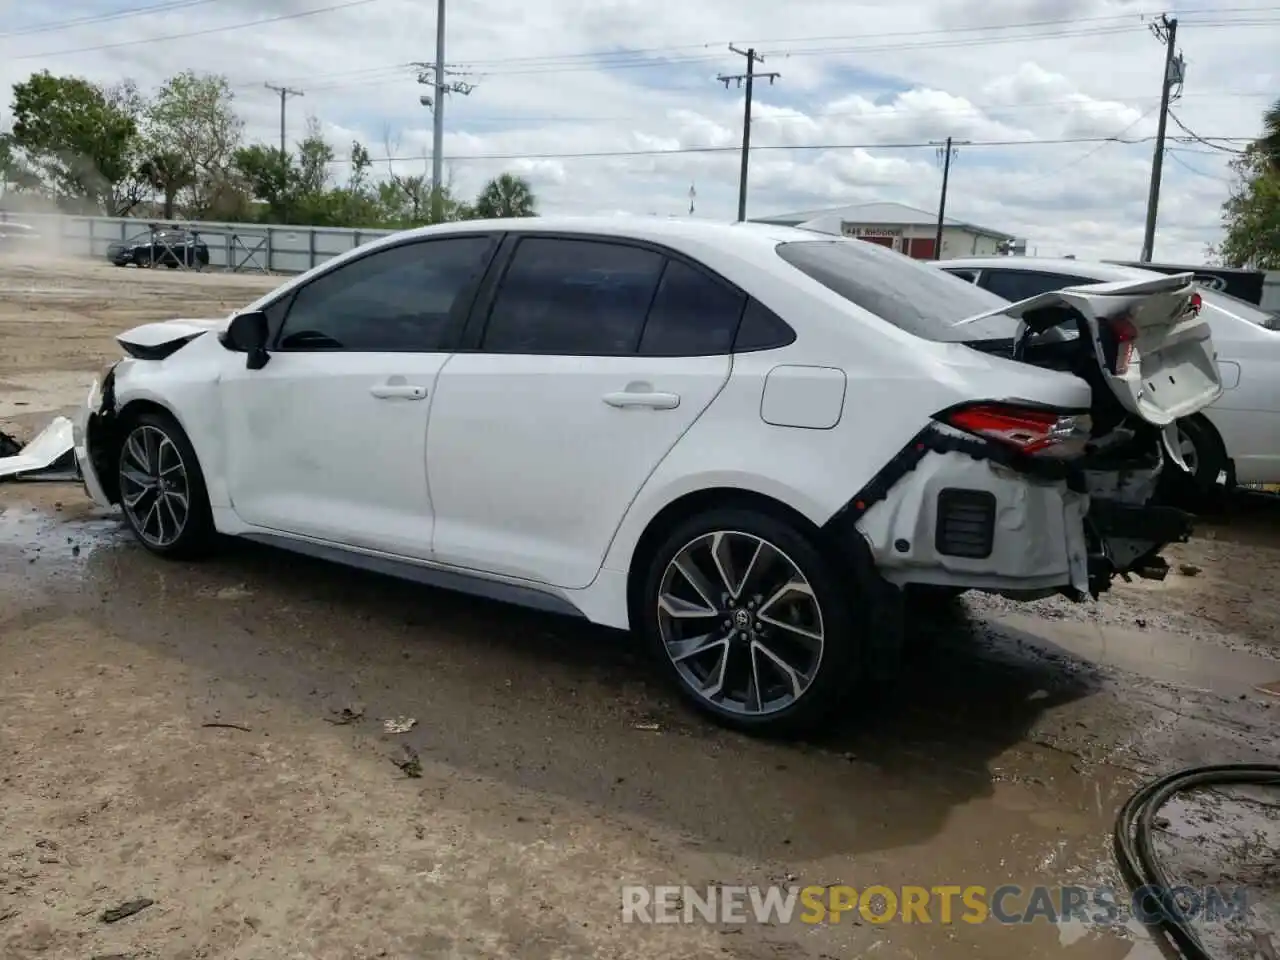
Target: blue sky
[580, 76]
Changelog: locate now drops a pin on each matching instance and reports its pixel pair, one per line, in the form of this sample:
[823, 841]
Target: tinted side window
[573, 297]
[692, 315]
[399, 299]
[969, 276]
[1016, 285]
[762, 329]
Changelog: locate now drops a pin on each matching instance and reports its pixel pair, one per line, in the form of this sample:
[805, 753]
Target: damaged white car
[745, 443]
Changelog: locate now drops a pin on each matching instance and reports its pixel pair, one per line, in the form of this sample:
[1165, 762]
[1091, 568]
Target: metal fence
[243, 247]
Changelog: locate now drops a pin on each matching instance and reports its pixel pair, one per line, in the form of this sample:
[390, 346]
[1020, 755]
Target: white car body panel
[536, 472]
[333, 446]
[540, 495]
[1247, 413]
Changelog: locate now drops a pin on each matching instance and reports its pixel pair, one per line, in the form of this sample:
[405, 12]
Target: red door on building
[922, 248]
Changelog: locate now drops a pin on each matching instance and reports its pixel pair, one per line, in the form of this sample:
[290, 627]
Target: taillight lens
[1031, 430]
[1125, 333]
[1196, 303]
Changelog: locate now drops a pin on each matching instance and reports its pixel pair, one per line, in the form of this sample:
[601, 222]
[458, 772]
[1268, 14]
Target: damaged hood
[155, 341]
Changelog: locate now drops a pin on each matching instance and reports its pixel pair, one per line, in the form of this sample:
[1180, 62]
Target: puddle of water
[1157, 654]
[40, 536]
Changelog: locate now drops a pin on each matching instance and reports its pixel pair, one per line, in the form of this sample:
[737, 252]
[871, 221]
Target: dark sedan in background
[169, 248]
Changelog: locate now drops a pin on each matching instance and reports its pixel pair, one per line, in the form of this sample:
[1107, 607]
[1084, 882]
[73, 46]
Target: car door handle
[398, 391]
[634, 398]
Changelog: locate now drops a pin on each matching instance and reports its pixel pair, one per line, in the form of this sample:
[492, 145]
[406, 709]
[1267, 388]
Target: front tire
[162, 489]
[750, 621]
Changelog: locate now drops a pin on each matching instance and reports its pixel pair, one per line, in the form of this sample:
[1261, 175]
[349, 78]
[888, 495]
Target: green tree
[79, 140]
[1271, 135]
[1251, 215]
[192, 118]
[270, 178]
[506, 195]
[167, 173]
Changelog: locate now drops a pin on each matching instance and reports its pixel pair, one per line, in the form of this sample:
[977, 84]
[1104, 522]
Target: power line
[1173, 155]
[684, 151]
[1198, 139]
[226, 28]
[104, 18]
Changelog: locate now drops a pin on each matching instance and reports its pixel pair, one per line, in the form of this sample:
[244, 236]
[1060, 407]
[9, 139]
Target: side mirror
[248, 333]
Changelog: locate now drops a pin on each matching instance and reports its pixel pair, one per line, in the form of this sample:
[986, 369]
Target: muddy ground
[167, 733]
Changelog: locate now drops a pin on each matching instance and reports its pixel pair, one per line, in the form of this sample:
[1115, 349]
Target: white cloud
[556, 78]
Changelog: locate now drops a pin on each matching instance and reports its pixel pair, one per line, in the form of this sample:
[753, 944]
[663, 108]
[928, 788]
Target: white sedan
[740, 441]
[1239, 436]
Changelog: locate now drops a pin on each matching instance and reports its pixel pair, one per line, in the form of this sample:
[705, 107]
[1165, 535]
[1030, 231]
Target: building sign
[854, 230]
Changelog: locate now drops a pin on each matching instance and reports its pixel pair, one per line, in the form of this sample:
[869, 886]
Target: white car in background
[740, 441]
[1238, 438]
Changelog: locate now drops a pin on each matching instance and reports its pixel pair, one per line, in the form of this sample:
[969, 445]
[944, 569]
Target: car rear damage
[1071, 489]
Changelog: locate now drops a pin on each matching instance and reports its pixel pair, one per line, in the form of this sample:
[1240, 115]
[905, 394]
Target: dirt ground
[213, 738]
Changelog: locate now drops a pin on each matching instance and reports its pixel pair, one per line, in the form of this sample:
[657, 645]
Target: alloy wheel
[741, 623]
[154, 486]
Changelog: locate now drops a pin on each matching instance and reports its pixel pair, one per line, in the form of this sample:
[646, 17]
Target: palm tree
[506, 196]
[1270, 141]
[168, 174]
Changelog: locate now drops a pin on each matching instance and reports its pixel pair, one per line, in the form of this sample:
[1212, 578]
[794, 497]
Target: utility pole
[432, 74]
[1167, 31]
[946, 150]
[285, 94]
[749, 77]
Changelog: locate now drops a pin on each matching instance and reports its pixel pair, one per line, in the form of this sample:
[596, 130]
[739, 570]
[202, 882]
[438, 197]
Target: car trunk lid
[1155, 351]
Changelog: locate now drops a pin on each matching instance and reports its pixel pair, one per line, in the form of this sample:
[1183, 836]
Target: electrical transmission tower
[1166, 30]
[947, 150]
[285, 93]
[433, 75]
[749, 78]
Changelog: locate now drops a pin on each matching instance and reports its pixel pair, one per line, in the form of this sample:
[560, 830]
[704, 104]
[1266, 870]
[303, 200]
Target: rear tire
[1205, 455]
[162, 489]
[765, 640]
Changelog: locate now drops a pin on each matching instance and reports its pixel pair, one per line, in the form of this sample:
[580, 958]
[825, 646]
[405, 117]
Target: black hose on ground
[1135, 847]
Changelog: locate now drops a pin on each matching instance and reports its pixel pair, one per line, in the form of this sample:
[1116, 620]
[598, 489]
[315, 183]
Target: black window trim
[457, 316]
[472, 338]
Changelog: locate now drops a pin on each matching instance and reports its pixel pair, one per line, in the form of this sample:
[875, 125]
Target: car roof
[674, 231]
[1090, 269]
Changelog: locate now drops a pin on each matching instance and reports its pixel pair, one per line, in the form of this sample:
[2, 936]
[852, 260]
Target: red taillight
[1196, 303]
[1125, 333]
[1031, 430]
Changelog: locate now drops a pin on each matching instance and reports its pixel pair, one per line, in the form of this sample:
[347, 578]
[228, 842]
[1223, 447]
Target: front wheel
[162, 490]
[750, 620]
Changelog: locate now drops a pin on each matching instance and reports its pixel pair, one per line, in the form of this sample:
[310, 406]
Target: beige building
[905, 229]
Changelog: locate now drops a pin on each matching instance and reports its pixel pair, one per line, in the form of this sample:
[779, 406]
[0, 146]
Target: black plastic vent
[966, 524]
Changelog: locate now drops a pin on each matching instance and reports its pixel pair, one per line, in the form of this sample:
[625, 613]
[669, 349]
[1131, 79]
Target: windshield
[910, 294]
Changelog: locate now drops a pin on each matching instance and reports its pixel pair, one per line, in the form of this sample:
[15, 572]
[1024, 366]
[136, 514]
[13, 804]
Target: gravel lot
[175, 734]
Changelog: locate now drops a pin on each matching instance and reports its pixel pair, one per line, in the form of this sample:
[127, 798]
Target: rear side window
[693, 314]
[912, 295]
[1014, 285]
[573, 298]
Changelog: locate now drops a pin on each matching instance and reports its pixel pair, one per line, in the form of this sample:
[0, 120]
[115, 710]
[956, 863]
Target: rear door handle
[398, 391]
[654, 401]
